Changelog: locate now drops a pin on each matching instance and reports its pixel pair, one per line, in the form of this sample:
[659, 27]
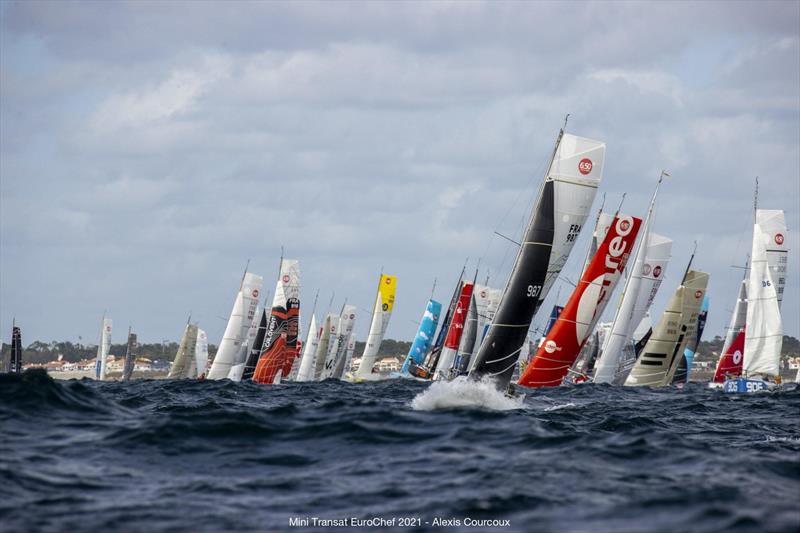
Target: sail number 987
[534, 290]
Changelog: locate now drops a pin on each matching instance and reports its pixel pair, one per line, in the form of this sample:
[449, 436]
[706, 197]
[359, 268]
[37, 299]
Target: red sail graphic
[280, 343]
[730, 364]
[563, 343]
[460, 314]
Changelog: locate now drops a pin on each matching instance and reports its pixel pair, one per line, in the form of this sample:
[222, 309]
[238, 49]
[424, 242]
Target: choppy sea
[157, 455]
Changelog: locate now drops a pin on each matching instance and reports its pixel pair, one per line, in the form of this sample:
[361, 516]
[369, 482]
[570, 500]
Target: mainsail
[130, 356]
[381, 312]
[280, 342]
[684, 371]
[649, 264]
[559, 213]
[346, 325]
[328, 332]
[229, 352]
[763, 337]
[14, 362]
[103, 348]
[583, 310]
[424, 336]
[660, 356]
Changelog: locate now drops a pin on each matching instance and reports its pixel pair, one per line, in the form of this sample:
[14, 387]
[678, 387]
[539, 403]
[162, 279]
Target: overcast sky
[148, 150]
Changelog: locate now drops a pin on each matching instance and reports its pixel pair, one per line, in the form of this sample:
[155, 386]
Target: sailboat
[659, 359]
[201, 354]
[649, 265]
[280, 341]
[183, 365]
[307, 362]
[444, 369]
[763, 337]
[130, 356]
[14, 362]
[103, 348]
[576, 322]
[423, 338]
[381, 312]
[229, 352]
[328, 332]
[346, 325]
[729, 363]
[684, 371]
[560, 211]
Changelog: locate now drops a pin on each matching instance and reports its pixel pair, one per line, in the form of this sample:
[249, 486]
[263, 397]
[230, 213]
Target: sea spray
[462, 393]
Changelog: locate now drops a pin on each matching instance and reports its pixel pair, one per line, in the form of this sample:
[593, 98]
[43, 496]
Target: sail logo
[286, 278]
[255, 293]
[551, 347]
[388, 281]
[657, 271]
[779, 239]
[646, 269]
[585, 166]
[698, 293]
[737, 357]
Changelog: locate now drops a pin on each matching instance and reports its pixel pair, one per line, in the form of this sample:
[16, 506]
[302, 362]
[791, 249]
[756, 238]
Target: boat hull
[742, 385]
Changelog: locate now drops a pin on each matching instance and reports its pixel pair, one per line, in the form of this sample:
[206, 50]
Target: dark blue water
[221, 456]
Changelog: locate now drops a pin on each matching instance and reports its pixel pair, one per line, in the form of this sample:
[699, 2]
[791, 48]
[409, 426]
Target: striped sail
[103, 348]
[763, 337]
[557, 218]
[244, 308]
[382, 311]
[424, 337]
[660, 356]
[280, 341]
[580, 315]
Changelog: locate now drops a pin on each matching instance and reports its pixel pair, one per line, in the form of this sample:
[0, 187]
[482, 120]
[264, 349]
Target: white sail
[381, 313]
[328, 331]
[307, 362]
[329, 366]
[604, 221]
[346, 325]
[241, 318]
[659, 359]
[183, 365]
[577, 170]
[103, 348]
[201, 352]
[773, 224]
[351, 348]
[649, 267]
[763, 336]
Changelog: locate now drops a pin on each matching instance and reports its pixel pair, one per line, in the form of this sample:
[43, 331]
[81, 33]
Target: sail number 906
[534, 290]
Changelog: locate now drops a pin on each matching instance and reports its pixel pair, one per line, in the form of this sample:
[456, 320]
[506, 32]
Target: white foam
[464, 393]
[559, 407]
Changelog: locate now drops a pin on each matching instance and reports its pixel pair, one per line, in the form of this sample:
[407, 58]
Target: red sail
[730, 363]
[563, 343]
[460, 314]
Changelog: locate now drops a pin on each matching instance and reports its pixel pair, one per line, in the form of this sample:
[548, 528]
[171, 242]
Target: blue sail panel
[422, 341]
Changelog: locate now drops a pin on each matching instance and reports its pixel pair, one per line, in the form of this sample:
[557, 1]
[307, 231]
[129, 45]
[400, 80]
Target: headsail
[387, 286]
[583, 310]
[559, 213]
[229, 352]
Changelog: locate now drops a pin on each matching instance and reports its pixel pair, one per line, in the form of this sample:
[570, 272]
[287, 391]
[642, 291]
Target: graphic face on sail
[556, 221]
[280, 340]
[424, 337]
[575, 323]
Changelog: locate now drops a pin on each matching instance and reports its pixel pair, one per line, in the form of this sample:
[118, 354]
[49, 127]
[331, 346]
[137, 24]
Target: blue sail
[554, 314]
[422, 341]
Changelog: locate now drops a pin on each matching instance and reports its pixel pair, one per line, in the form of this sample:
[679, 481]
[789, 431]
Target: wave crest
[465, 393]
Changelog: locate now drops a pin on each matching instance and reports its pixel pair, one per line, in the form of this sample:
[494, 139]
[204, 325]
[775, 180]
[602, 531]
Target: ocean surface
[155, 455]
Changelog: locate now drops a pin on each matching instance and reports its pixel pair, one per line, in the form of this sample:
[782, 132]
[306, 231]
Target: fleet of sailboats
[484, 333]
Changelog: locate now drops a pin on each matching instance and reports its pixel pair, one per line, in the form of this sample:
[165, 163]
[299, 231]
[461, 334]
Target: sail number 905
[534, 290]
